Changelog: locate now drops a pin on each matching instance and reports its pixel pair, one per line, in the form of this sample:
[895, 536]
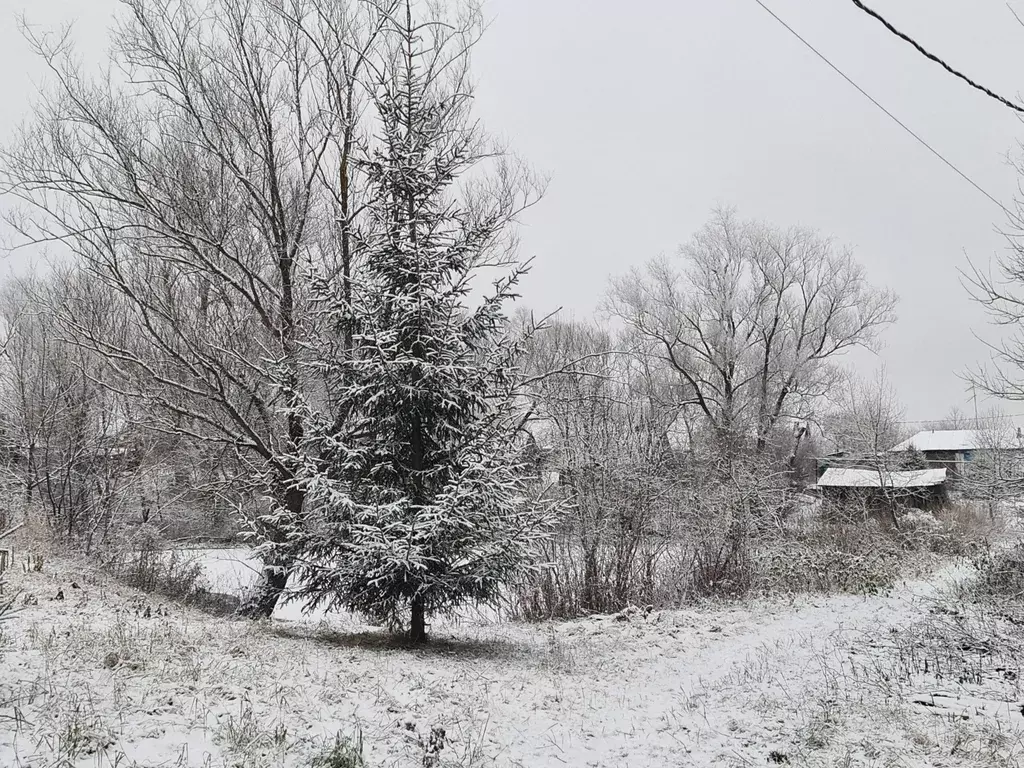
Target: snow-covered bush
[851, 558]
[1000, 573]
[957, 529]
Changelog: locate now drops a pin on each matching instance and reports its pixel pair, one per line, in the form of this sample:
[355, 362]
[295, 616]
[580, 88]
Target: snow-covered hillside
[92, 681]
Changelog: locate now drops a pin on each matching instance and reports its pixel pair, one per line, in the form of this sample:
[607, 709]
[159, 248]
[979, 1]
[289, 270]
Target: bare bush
[145, 563]
[603, 427]
[733, 538]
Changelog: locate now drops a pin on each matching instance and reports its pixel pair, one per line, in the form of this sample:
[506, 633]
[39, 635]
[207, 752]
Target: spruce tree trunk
[418, 624]
[272, 583]
[274, 578]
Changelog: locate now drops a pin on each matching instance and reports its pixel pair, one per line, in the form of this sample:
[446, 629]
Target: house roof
[953, 440]
[870, 478]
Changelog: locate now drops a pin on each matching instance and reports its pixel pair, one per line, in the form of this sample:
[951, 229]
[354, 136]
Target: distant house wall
[956, 462]
[951, 461]
[955, 449]
[883, 491]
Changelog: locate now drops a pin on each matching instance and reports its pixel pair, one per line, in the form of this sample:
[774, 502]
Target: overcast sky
[647, 114]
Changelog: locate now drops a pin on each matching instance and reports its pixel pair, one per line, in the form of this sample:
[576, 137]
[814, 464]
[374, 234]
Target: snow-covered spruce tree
[415, 497]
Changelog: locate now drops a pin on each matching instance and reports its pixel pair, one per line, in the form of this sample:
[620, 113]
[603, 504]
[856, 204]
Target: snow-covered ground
[225, 570]
[905, 679]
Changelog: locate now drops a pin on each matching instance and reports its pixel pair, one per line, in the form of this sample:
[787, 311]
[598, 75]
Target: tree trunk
[591, 590]
[892, 514]
[274, 578]
[418, 625]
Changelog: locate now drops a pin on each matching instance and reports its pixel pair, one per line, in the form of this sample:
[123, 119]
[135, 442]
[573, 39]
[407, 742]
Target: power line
[932, 57]
[999, 417]
[891, 116]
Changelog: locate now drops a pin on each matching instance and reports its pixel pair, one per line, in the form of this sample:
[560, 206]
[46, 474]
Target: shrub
[857, 558]
[958, 529]
[1000, 573]
[557, 592]
[841, 557]
[164, 572]
[146, 564]
[831, 547]
[721, 567]
[601, 576]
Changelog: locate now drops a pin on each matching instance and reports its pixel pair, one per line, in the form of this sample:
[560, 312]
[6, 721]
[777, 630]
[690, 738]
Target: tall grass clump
[344, 752]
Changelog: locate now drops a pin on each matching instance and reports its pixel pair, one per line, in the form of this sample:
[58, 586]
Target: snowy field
[911, 678]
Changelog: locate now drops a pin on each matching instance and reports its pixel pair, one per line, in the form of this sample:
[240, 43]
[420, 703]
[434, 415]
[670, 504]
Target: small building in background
[954, 449]
[922, 488]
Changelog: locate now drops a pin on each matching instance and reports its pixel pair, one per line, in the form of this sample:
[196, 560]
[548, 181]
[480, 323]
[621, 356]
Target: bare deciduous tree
[955, 418]
[200, 180]
[752, 320]
[65, 433]
[865, 424]
[995, 471]
[867, 419]
[607, 418]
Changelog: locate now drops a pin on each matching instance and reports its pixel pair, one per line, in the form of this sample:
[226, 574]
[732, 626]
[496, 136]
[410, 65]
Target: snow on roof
[953, 440]
[870, 478]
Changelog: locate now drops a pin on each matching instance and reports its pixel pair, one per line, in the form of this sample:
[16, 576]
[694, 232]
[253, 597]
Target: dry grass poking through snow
[821, 681]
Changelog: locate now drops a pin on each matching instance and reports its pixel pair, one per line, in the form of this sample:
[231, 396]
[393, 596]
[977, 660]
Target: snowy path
[733, 685]
[749, 684]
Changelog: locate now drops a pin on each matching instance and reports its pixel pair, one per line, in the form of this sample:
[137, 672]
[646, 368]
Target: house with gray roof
[954, 449]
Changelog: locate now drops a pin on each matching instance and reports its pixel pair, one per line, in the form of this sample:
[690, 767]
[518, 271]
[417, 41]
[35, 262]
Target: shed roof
[870, 478]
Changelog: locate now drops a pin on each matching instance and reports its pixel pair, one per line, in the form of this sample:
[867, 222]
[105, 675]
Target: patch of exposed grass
[344, 752]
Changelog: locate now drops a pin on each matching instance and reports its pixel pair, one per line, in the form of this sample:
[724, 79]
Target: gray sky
[647, 114]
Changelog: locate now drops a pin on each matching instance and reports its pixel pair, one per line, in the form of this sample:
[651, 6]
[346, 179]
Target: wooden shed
[922, 488]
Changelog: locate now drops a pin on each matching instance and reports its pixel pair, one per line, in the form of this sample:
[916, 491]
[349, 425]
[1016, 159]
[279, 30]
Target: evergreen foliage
[415, 497]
